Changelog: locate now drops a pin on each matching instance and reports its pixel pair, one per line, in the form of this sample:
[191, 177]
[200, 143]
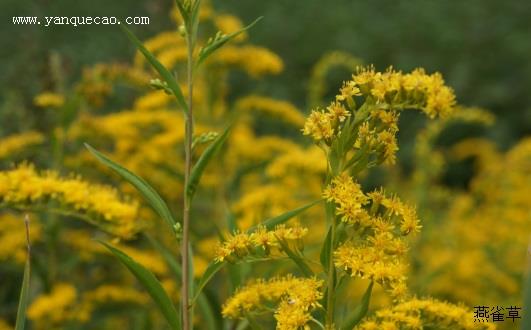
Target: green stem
[330, 280]
[189, 133]
[321, 326]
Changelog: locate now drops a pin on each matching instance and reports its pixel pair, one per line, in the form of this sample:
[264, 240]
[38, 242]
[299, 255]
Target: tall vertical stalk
[189, 133]
[330, 280]
[334, 170]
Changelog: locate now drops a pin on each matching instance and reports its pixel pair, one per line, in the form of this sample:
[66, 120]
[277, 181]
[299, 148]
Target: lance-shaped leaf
[183, 11]
[360, 311]
[23, 300]
[326, 250]
[164, 73]
[280, 219]
[153, 198]
[175, 267]
[151, 284]
[202, 162]
[194, 17]
[219, 40]
[211, 270]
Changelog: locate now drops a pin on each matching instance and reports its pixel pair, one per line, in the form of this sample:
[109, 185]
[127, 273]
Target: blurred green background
[482, 47]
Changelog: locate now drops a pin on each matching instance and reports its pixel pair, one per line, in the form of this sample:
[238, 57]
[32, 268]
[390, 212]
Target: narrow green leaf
[211, 270]
[218, 42]
[272, 222]
[154, 199]
[202, 162]
[194, 19]
[326, 249]
[151, 284]
[360, 311]
[24, 291]
[23, 300]
[164, 73]
[182, 11]
[296, 258]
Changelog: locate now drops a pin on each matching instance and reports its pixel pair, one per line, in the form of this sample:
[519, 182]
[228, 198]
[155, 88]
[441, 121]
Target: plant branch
[189, 133]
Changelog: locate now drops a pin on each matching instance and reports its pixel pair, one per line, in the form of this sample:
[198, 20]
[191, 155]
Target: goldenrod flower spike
[55, 307]
[240, 245]
[380, 96]
[417, 313]
[297, 298]
[25, 188]
[13, 144]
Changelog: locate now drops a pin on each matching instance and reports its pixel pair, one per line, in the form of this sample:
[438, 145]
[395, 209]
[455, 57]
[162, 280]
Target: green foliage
[269, 224]
[219, 40]
[24, 297]
[153, 198]
[360, 311]
[164, 73]
[203, 161]
[152, 286]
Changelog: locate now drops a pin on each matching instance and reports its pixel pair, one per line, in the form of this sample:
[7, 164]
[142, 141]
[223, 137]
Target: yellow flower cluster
[383, 223]
[412, 90]
[260, 203]
[147, 258]
[349, 198]
[261, 241]
[283, 110]
[246, 146]
[146, 144]
[256, 61]
[97, 81]
[417, 314]
[373, 125]
[323, 125]
[466, 255]
[368, 261]
[54, 307]
[165, 41]
[298, 297]
[154, 100]
[135, 127]
[297, 161]
[25, 188]
[49, 100]
[108, 294]
[15, 143]
[116, 293]
[13, 237]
